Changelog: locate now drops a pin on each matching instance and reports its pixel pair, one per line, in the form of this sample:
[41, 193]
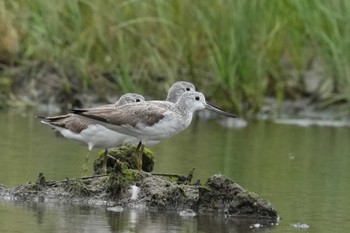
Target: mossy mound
[106, 162]
[218, 195]
[222, 194]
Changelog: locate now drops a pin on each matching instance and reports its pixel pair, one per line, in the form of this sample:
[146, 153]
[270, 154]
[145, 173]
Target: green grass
[328, 27]
[236, 51]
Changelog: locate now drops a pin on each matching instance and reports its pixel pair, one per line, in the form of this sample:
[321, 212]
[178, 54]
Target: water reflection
[54, 217]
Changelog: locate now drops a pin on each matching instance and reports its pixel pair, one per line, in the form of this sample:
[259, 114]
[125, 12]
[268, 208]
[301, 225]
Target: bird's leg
[142, 148]
[85, 168]
[87, 157]
[137, 156]
[139, 146]
[104, 165]
[109, 162]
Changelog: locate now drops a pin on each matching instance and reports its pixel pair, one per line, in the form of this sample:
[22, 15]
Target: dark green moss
[105, 163]
[77, 188]
[148, 160]
[100, 166]
[120, 179]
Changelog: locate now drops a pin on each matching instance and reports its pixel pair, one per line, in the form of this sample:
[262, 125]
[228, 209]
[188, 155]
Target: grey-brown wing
[54, 118]
[71, 122]
[134, 114]
[101, 107]
[101, 112]
[76, 124]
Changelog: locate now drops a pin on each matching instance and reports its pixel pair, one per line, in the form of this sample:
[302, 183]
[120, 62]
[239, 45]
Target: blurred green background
[235, 51]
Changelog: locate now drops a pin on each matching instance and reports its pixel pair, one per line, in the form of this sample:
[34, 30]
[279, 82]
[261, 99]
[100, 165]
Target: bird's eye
[138, 100]
[188, 89]
[197, 97]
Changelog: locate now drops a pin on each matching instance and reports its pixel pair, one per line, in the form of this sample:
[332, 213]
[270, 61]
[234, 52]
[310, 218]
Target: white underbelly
[96, 136]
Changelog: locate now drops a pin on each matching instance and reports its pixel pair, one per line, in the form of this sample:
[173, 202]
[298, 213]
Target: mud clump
[162, 193]
[219, 195]
[223, 195]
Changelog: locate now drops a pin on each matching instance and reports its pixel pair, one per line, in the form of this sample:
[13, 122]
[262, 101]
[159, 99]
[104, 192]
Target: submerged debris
[256, 225]
[187, 213]
[300, 226]
[117, 209]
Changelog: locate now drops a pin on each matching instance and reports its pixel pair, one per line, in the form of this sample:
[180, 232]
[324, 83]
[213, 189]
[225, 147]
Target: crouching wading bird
[151, 121]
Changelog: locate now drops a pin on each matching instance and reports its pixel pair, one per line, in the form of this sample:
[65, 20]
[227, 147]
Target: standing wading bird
[85, 131]
[174, 94]
[151, 120]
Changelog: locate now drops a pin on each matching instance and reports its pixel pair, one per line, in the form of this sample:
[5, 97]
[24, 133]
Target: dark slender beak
[213, 108]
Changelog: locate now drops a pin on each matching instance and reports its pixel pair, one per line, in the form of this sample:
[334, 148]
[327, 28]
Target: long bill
[213, 108]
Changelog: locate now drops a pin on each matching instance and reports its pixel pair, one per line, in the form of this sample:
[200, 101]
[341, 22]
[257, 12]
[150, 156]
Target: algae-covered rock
[162, 193]
[222, 194]
[158, 191]
[124, 153]
[77, 188]
[120, 179]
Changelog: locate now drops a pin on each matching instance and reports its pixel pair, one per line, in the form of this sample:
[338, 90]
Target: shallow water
[303, 171]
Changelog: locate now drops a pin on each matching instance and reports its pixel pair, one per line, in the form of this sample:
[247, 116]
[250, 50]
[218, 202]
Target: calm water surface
[304, 172]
